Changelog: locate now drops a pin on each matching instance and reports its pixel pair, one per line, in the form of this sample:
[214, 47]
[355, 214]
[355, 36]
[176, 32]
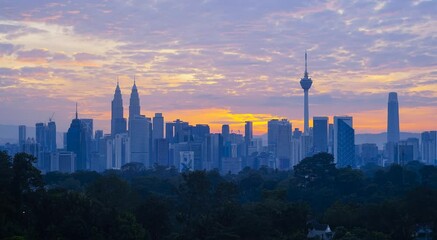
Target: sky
[219, 61]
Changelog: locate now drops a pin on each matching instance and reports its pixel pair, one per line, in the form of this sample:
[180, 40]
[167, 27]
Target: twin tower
[118, 122]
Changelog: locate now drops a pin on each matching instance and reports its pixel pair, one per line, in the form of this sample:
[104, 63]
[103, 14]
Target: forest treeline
[373, 203]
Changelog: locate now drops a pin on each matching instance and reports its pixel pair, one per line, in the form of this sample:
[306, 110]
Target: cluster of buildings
[153, 142]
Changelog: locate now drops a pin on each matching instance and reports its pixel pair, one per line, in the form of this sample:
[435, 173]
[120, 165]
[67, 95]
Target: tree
[316, 170]
[112, 192]
[154, 215]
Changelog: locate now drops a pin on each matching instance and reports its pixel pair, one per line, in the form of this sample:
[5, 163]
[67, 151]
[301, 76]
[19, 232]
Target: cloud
[34, 55]
[239, 57]
[87, 57]
[7, 49]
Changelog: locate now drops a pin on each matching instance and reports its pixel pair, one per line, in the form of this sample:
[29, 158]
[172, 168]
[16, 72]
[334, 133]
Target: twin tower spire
[118, 122]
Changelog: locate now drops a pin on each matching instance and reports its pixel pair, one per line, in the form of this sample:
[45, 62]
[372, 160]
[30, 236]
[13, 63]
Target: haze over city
[219, 62]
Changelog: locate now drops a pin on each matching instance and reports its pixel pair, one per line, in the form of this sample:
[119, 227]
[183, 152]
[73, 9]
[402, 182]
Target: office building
[158, 126]
[63, 161]
[429, 147]
[279, 137]
[344, 141]
[140, 140]
[320, 134]
[225, 132]
[79, 141]
[21, 135]
[369, 154]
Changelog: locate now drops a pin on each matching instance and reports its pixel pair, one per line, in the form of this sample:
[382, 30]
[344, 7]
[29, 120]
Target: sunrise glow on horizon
[211, 62]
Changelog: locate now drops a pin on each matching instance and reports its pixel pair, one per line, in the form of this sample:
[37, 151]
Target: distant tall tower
[393, 118]
[118, 122]
[75, 142]
[306, 83]
[21, 135]
[134, 105]
[248, 135]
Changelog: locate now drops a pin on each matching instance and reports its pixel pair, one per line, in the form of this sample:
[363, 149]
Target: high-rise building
[297, 133]
[331, 138]
[121, 146]
[40, 135]
[213, 152]
[134, 104]
[118, 122]
[279, 138]
[369, 154]
[248, 135]
[169, 132]
[63, 161]
[21, 135]
[140, 139]
[158, 126]
[414, 142]
[46, 138]
[161, 153]
[225, 132]
[76, 143]
[391, 148]
[51, 136]
[320, 134]
[200, 132]
[405, 152]
[182, 132]
[306, 83]
[429, 147]
[344, 141]
[87, 134]
[393, 118]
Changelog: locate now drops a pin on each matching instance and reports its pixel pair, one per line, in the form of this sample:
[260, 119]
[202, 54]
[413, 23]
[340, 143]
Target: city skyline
[246, 68]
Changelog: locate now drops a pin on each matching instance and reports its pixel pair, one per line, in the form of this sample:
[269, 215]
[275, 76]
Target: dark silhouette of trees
[137, 203]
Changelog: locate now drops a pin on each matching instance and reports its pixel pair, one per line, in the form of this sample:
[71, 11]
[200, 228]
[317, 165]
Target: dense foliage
[134, 203]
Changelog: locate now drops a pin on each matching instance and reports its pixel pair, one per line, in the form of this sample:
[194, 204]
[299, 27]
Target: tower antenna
[76, 111]
[306, 64]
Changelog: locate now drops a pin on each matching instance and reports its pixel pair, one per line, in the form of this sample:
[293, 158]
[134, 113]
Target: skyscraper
[169, 132]
[344, 141]
[279, 142]
[429, 147]
[306, 83]
[320, 134]
[21, 135]
[248, 135]
[140, 131]
[158, 126]
[51, 136]
[118, 122]
[140, 139]
[40, 135]
[391, 148]
[76, 142]
[225, 132]
[393, 118]
[134, 104]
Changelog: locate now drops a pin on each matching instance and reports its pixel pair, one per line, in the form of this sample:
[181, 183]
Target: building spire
[306, 64]
[117, 82]
[76, 111]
